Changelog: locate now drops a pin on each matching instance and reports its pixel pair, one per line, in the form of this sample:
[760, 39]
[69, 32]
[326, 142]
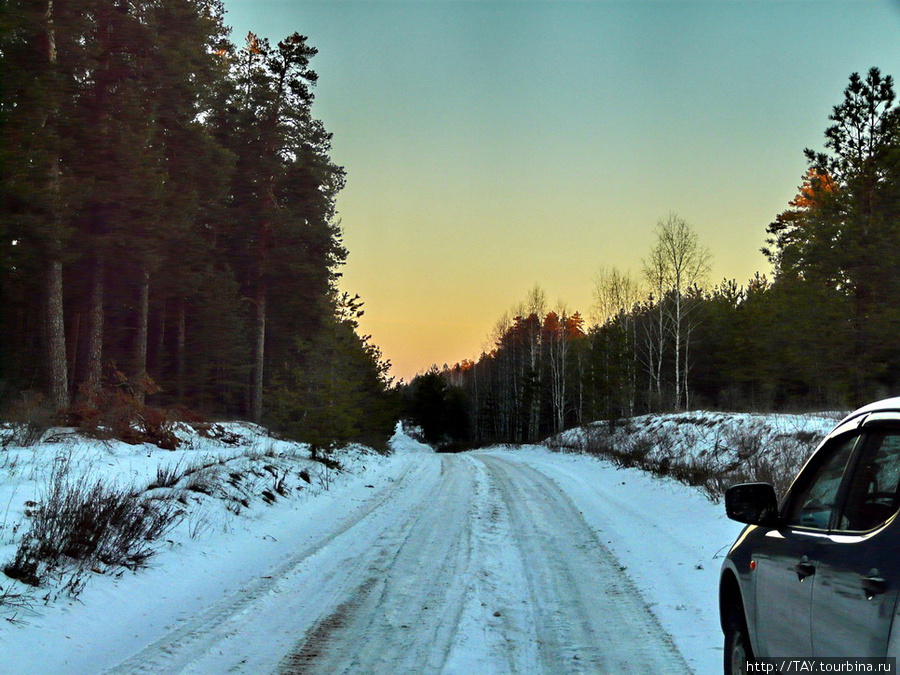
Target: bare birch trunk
[677, 329]
[632, 392]
[661, 336]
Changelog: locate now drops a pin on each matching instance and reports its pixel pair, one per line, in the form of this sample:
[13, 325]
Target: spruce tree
[334, 388]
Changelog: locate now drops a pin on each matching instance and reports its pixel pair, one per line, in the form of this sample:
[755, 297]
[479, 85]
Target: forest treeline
[167, 222]
[820, 331]
[168, 234]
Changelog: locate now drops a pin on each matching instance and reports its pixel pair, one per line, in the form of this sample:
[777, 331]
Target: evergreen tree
[183, 192]
[39, 57]
[335, 387]
[438, 408]
[841, 231]
[281, 200]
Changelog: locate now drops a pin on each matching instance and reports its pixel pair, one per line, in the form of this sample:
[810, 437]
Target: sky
[491, 146]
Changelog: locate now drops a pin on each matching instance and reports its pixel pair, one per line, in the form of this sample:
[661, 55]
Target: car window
[812, 503]
[872, 494]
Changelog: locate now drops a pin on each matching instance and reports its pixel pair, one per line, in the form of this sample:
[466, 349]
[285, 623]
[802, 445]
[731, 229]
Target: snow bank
[708, 449]
[220, 477]
[221, 548]
[706, 434]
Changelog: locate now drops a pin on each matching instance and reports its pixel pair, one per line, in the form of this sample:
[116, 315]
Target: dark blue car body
[818, 574]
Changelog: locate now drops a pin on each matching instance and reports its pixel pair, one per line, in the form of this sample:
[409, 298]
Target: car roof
[890, 406]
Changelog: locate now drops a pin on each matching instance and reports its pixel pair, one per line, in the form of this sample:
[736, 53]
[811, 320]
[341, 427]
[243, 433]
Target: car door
[855, 591]
[785, 556]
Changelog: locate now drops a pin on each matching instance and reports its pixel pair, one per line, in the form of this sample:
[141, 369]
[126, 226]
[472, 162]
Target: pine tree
[841, 231]
[282, 195]
[41, 54]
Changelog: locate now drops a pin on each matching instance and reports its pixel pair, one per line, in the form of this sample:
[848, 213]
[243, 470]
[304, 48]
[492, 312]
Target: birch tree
[561, 330]
[677, 263]
[535, 308]
[655, 330]
[616, 297]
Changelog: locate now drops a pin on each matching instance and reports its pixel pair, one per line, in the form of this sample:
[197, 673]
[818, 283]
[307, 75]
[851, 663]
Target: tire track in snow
[181, 648]
[495, 572]
[590, 616]
[404, 617]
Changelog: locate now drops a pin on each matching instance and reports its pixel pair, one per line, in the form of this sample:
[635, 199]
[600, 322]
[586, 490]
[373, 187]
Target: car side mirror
[752, 503]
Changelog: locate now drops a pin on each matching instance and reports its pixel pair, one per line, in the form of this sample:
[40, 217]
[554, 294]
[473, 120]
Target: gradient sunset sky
[493, 145]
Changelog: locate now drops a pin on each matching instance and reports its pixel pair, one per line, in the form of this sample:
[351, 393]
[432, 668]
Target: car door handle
[804, 569]
[873, 584]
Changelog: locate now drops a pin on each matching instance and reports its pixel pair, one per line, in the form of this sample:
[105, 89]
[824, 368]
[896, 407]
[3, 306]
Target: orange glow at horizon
[491, 146]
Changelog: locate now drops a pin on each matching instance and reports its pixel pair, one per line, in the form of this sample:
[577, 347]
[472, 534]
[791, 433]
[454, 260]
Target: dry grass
[747, 453]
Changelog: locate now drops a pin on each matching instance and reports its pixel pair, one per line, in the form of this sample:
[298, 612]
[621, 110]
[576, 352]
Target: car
[818, 573]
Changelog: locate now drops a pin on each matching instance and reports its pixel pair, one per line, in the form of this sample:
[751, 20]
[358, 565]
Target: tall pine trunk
[140, 346]
[56, 337]
[180, 354]
[256, 401]
[56, 330]
[158, 360]
[95, 330]
[259, 352]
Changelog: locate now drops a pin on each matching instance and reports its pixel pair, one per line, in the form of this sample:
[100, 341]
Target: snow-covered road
[457, 564]
[497, 561]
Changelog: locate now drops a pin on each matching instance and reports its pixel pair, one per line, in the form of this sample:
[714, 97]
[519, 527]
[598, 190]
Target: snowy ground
[497, 561]
[717, 438]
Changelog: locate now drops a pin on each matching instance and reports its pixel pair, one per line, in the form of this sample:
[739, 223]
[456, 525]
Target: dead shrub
[157, 428]
[82, 523]
[216, 432]
[13, 603]
[167, 476]
[116, 411]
